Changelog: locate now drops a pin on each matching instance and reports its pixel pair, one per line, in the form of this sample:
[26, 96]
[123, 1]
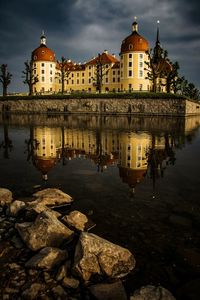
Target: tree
[5, 78]
[63, 75]
[30, 78]
[172, 76]
[99, 73]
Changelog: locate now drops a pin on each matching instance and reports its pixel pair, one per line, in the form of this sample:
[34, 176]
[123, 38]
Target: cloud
[79, 29]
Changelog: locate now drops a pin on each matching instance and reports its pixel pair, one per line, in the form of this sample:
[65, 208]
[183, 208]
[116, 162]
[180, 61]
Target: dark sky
[79, 29]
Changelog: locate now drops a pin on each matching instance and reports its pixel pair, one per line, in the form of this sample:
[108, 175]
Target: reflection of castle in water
[134, 153]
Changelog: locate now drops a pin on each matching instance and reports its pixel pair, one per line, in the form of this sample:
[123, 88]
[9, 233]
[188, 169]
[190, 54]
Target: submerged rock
[150, 292]
[5, 196]
[46, 231]
[111, 291]
[76, 219]
[95, 255]
[47, 258]
[52, 197]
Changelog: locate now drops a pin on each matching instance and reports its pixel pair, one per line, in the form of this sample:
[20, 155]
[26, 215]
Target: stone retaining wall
[175, 107]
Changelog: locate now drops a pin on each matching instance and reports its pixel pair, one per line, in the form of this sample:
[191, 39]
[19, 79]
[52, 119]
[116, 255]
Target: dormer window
[130, 46]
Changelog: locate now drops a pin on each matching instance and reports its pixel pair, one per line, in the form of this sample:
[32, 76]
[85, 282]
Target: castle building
[126, 73]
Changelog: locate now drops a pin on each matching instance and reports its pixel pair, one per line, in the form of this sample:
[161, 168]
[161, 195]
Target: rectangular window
[90, 67]
[140, 87]
[106, 80]
[72, 81]
[113, 79]
[77, 74]
[141, 64]
[83, 81]
[141, 56]
[42, 71]
[118, 79]
[90, 73]
[130, 55]
[42, 64]
[89, 80]
[77, 81]
[129, 73]
[72, 74]
[130, 64]
[43, 79]
[113, 72]
[141, 73]
[51, 65]
[51, 72]
[51, 80]
[83, 74]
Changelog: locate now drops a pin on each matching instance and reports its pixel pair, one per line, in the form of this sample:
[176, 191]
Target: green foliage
[120, 95]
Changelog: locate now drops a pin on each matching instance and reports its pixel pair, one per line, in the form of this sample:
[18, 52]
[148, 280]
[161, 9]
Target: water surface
[137, 178]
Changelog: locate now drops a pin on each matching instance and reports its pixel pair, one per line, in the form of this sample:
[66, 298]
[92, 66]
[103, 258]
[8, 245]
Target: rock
[47, 258]
[14, 266]
[33, 291]
[58, 291]
[70, 283]
[17, 242]
[46, 231]
[95, 255]
[15, 207]
[112, 291]
[76, 219]
[150, 292]
[62, 272]
[40, 207]
[5, 196]
[52, 197]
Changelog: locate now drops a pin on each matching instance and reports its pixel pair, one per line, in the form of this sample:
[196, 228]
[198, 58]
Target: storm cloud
[79, 29]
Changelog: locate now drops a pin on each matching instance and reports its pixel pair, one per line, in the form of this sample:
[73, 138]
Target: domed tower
[44, 65]
[132, 61]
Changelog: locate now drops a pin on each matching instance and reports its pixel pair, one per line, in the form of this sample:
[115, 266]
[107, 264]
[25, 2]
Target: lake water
[137, 178]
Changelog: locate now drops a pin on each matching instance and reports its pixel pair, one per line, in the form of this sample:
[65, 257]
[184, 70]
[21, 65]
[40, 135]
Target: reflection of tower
[133, 158]
[48, 142]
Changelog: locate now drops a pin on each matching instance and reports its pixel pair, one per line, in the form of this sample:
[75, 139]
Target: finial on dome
[135, 25]
[43, 39]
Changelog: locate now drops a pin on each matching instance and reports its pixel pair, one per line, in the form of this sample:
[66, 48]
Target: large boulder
[5, 196]
[52, 197]
[33, 292]
[108, 291]
[97, 256]
[76, 219]
[151, 292]
[47, 258]
[46, 231]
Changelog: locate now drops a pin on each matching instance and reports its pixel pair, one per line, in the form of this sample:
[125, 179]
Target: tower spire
[158, 33]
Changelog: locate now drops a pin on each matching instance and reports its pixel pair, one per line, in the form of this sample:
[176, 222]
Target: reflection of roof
[43, 53]
[44, 165]
[132, 176]
[134, 42]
